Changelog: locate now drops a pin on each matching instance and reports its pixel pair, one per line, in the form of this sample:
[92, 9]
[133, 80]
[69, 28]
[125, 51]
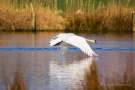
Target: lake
[47, 68]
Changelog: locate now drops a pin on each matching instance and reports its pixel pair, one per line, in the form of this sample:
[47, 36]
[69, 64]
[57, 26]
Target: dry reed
[111, 17]
[18, 84]
[92, 81]
[79, 16]
[47, 19]
[12, 18]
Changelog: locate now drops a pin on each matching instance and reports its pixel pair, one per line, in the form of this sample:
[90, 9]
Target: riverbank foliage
[78, 16]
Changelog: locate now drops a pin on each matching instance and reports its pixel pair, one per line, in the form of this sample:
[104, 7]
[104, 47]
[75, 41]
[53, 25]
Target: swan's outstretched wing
[59, 38]
[81, 43]
[74, 40]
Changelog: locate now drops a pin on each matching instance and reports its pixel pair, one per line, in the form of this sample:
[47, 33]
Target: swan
[74, 40]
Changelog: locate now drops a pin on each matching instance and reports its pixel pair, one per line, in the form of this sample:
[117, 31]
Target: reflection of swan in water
[74, 40]
[68, 74]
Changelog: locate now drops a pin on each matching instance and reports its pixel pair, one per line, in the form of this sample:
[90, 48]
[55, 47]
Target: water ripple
[115, 49]
[55, 49]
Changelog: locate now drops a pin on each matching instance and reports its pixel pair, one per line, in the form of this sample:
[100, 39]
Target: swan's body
[74, 40]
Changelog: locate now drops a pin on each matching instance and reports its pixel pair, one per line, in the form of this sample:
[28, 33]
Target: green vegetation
[76, 15]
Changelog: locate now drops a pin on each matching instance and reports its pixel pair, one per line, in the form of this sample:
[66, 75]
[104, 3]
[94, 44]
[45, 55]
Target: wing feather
[81, 43]
[59, 38]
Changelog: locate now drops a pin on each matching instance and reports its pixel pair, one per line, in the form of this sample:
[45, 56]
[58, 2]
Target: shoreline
[104, 18]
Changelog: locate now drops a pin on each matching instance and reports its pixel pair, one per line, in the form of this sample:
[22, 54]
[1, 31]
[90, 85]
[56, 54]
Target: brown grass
[18, 83]
[105, 18]
[79, 16]
[12, 18]
[47, 19]
[92, 81]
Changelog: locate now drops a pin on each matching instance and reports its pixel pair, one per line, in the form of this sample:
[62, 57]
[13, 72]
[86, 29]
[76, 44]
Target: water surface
[47, 68]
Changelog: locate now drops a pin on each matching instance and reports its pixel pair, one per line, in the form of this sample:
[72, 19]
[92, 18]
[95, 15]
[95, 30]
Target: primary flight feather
[74, 40]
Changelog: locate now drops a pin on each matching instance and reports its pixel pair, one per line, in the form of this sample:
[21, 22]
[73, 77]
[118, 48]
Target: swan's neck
[94, 41]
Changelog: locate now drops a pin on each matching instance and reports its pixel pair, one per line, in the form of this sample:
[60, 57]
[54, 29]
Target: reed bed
[110, 17]
[12, 18]
[81, 15]
[47, 19]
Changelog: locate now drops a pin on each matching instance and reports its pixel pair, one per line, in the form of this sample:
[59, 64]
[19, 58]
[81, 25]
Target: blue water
[47, 68]
[57, 49]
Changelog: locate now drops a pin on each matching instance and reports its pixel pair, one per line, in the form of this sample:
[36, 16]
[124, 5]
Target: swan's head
[55, 41]
[52, 42]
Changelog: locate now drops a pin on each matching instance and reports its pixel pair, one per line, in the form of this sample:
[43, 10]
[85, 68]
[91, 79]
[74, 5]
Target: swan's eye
[55, 38]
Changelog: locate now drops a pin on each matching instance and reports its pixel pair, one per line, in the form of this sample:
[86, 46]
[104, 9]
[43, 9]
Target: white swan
[74, 40]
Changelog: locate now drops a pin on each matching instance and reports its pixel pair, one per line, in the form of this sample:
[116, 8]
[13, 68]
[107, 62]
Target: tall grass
[92, 81]
[106, 17]
[13, 17]
[80, 15]
[18, 83]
